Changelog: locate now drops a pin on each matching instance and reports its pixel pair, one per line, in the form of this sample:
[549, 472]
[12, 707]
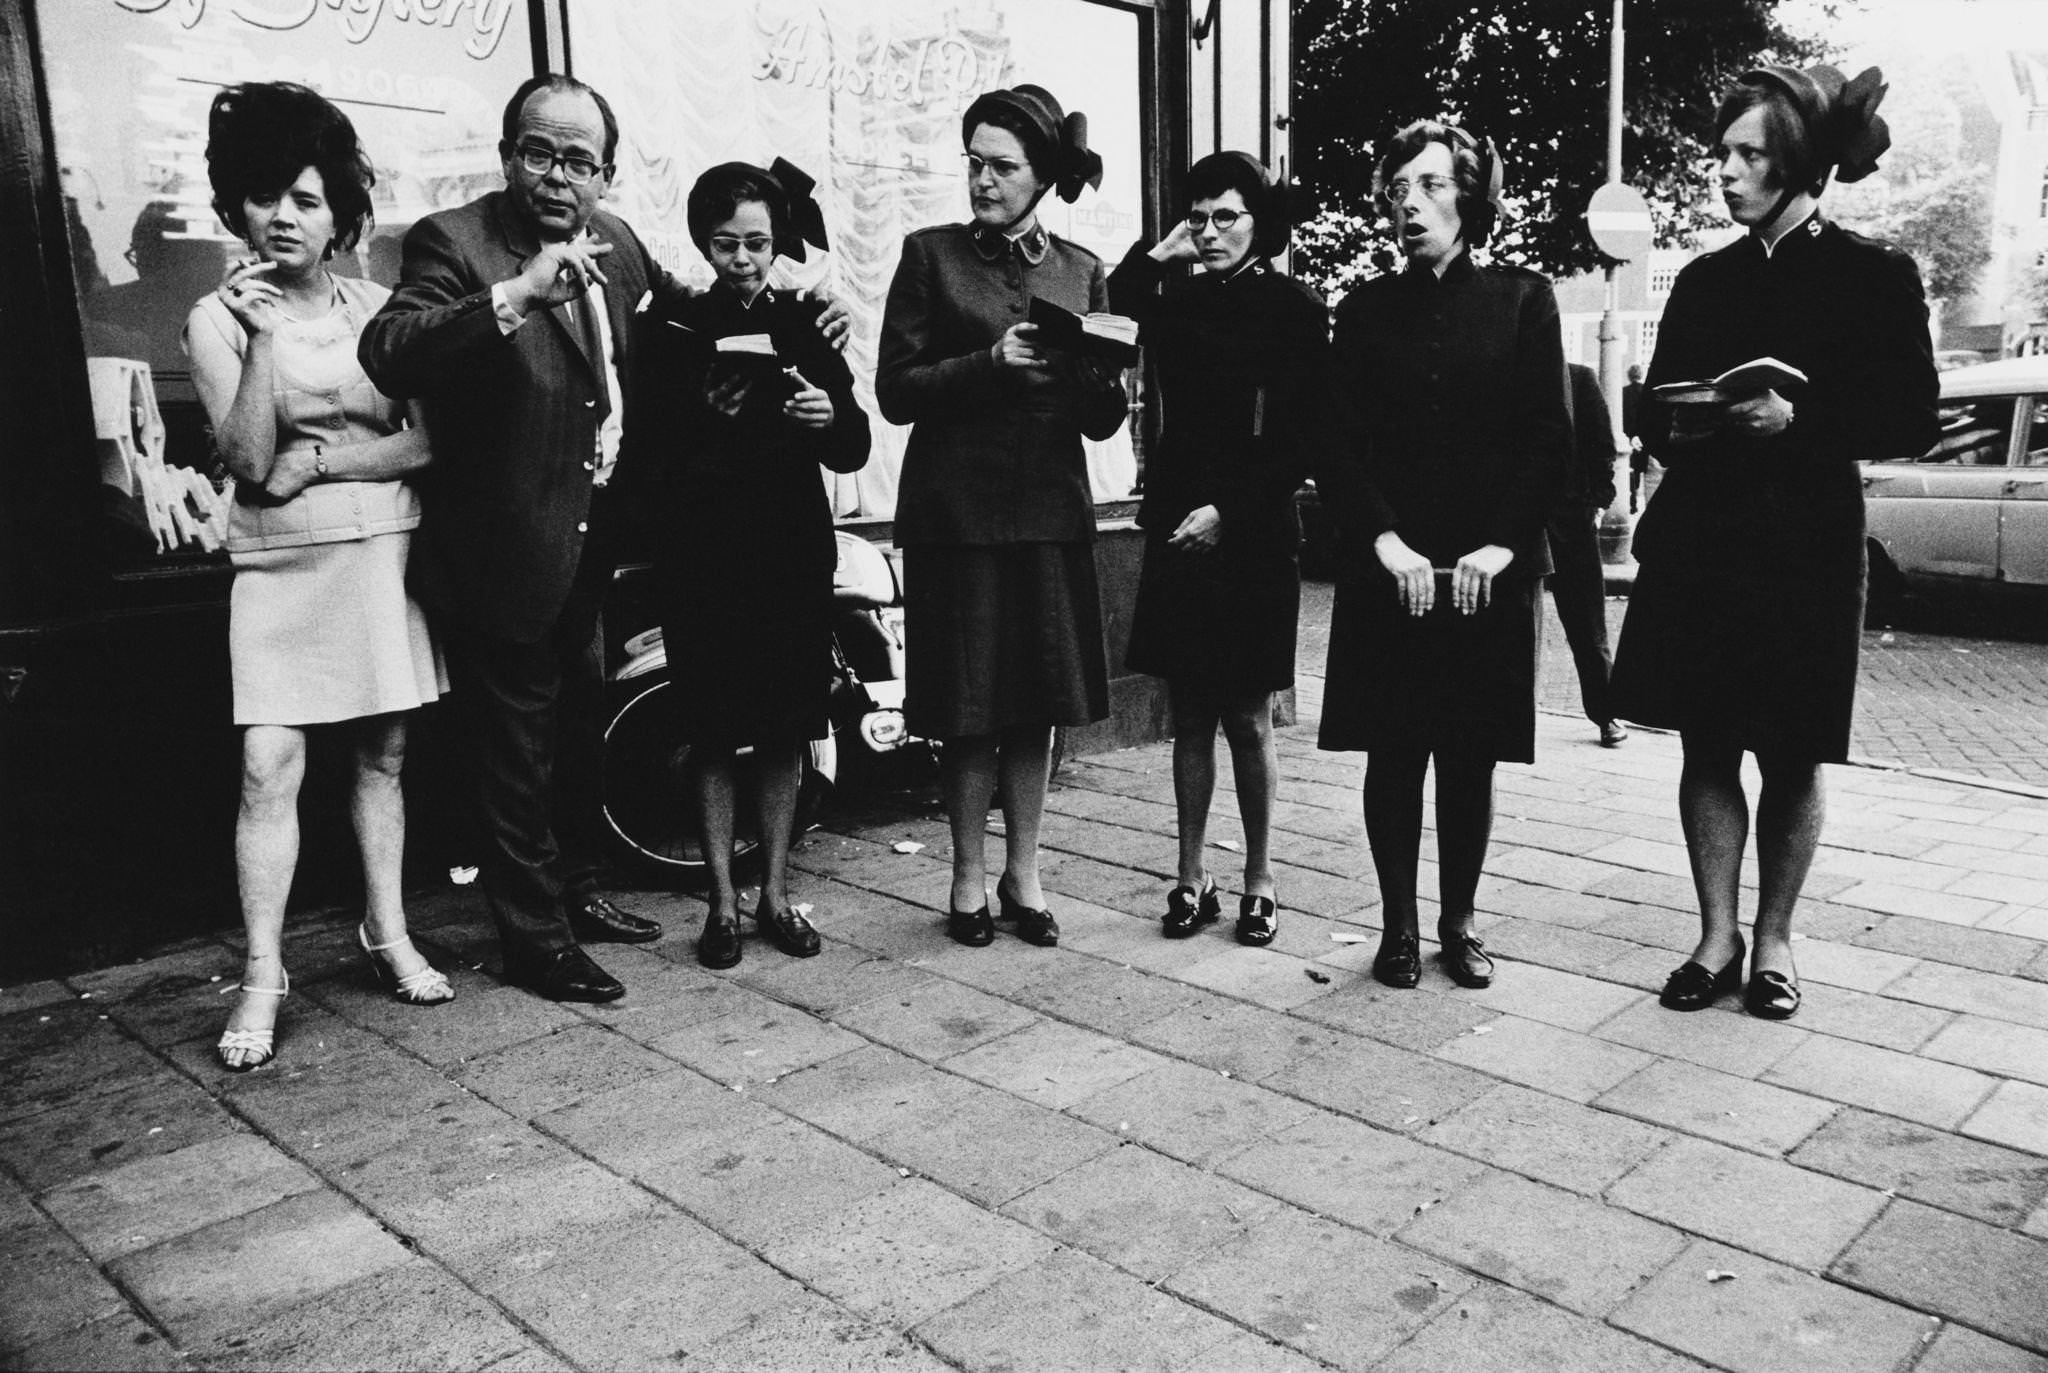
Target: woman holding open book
[1240, 352]
[743, 399]
[994, 512]
[1745, 621]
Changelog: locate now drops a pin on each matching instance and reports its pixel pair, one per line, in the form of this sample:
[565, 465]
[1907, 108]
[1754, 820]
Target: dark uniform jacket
[1592, 474]
[1450, 422]
[996, 456]
[513, 418]
[1240, 362]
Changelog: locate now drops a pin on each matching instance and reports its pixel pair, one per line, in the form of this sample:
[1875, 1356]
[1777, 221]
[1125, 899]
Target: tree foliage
[1532, 75]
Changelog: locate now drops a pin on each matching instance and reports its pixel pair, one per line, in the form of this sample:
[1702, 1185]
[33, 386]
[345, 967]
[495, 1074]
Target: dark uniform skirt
[1222, 623]
[1439, 681]
[1003, 635]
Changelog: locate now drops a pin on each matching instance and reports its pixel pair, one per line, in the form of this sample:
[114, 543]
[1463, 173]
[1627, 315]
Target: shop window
[1646, 340]
[130, 82]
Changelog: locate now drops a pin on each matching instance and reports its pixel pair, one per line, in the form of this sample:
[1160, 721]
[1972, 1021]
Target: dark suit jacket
[513, 418]
[1592, 475]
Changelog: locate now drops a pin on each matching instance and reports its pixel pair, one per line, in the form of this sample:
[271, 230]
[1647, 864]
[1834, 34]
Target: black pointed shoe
[1188, 910]
[1771, 995]
[1258, 920]
[1399, 961]
[1694, 987]
[1465, 959]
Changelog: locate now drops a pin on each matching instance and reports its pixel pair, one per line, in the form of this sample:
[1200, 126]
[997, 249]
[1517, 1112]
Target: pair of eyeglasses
[539, 161]
[1222, 219]
[1431, 185]
[730, 244]
[1003, 167]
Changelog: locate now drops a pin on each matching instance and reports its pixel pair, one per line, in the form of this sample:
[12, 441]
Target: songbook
[1737, 383]
[1112, 338]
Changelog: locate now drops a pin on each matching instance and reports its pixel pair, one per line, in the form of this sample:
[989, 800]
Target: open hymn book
[1113, 338]
[1737, 383]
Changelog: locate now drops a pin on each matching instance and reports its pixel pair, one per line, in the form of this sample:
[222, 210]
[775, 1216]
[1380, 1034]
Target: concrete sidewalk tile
[1734, 1110]
[1248, 1042]
[908, 1253]
[1245, 1352]
[753, 1047]
[434, 1155]
[655, 1118]
[52, 1288]
[935, 1020]
[1764, 1205]
[864, 1094]
[1966, 989]
[1964, 1270]
[1068, 1311]
[991, 1146]
[2015, 1114]
[99, 1133]
[1960, 1350]
[163, 1196]
[1144, 1213]
[668, 999]
[633, 1296]
[2003, 887]
[1190, 1113]
[1527, 832]
[414, 1316]
[1542, 868]
[69, 1057]
[838, 977]
[1500, 1330]
[1723, 1039]
[1883, 1080]
[1834, 964]
[1053, 1065]
[1567, 1000]
[1326, 1290]
[751, 1186]
[1675, 930]
[187, 964]
[1645, 969]
[1997, 1185]
[1330, 895]
[509, 1224]
[2028, 819]
[1560, 1142]
[1391, 1087]
[1877, 867]
[2029, 922]
[2037, 1224]
[1104, 996]
[172, 1008]
[1647, 854]
[1876, 1020]
[536, 1076]
[1768, 1318]
[1548, 905]
[1995, 1046]
[479, 1020]
[1418, 1018]
[1533, 942]
[1889, 899]
[1563, 1248]
[1135, 941]
[1562, 1062]
[809, 1334]
[119, 1343]
[1276, 981]
[1352, 1172]
[1673, 896]
[34, 996]
[227, 1274]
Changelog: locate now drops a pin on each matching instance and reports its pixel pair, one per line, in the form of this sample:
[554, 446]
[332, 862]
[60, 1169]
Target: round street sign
[1619, 219]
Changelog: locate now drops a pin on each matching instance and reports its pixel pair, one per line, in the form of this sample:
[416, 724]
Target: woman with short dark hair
[320, 628]
[1239, 351]
[1746, 618]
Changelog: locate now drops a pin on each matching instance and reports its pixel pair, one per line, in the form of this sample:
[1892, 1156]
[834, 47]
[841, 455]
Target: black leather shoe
[1464, 958]
[1771, 995]
[595, 920]
[564, 975]
[1188, 910]
[1694, 988]
[1399, 961]
[788, 931]
[1613, 734]
[1258, 920]
[719, 945]
[1033, 926]
[976, 929]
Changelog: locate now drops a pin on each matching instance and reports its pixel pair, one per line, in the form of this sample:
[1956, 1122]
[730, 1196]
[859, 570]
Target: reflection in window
[1974, 433]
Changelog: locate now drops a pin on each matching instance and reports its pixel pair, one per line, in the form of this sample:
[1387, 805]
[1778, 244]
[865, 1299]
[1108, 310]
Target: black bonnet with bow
[1840, 115]
[1054, 141]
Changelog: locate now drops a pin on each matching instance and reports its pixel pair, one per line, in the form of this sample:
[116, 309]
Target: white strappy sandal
[427, 987]
[257, 1047]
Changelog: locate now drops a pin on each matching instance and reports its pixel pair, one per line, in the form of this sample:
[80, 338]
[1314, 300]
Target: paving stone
[1723, 1039]
[752, 1047]
[1104, 1319]
[99, 1133]
[1566, 1249]
[1144, 1213]
[1381, 1084]
[907, 1253]
[657, 1118]
[1960, 1350]
[1832, 964]
[1966, 989]
[1734, 1110]
[1054, 1065]
[52, 1289]
[1417, 1018]
[1994, 1184]
[202, 1284]
[1560, 1142]
[1325, 1290]
[1493, 1329]
[1644, 969]
[1985, 1277]
[1245, 1352]
[119, 1343]
[539, 1075]
[990, 1146]
[1876, 1020]
[1938, 942]
[665, 1000]
[34, 996]
[1882, 1080]
[1247, 1042]
[838, 977]
[863, 1095]
[757, 1184]
[1562, 1062]
[1765, 1205]
[1995, 1046]
[1103, 996]
[1768, 1318]
[433, 1155]
[2016, 1113]
[162, 1196]
[811, 1335]
[1568, 1000]
[1276, 981]
[95, 1060]
[1192, 1114]
[1366, 1177]
[935, 1019]
[1568, 949]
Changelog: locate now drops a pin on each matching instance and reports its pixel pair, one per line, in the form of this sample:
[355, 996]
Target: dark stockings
[1393, 828]
[1791, 807]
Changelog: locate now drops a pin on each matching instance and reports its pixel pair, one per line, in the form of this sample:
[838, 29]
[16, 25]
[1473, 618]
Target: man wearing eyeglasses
[510, 323]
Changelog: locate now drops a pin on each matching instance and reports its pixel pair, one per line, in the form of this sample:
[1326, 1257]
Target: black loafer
[1694, 987]
[595, 920]
[1771, 995]
[719, 945]
[1464, 958]
[1033, 926]
[1188, 910]
[1399, 961]
[788, 931]
[1258, 920]
[564, 975]
[976, 929]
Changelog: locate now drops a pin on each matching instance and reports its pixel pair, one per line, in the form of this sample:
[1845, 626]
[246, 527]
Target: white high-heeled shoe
[427, 987]
[254, 1047]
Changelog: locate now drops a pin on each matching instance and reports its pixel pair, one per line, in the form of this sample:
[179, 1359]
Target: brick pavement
[1124, 1152]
